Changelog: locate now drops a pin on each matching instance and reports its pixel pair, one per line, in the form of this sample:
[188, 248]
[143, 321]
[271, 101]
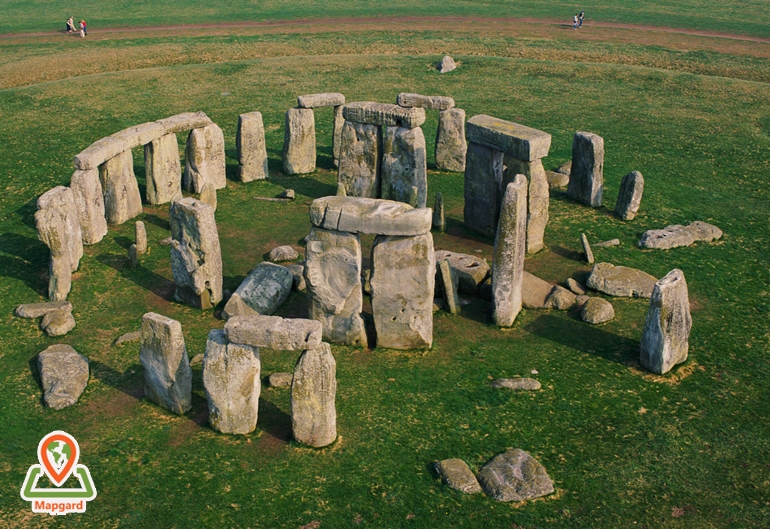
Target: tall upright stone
[89, 200]
[451, 145]
[666, 333]
[250, 144]
[204, 159]
[140, 236]
[538, 198]
[163, 170]
[630, 195]
[483, 179]
[359, 167]
[339, 122]
[508, 260]
[122, 200]
[299, 141]
[232, 383]
[403, 283]
[439, 220]
[404, 165]
[586, 179]
[196, 257]
[333, 277]
[313, 394]
[167, 373]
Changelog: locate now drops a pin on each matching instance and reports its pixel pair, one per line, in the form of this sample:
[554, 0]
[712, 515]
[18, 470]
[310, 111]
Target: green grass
[624, 449]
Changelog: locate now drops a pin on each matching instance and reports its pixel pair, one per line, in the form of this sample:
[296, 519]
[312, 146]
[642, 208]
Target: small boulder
[447, 64]
[576, 287]
[565, 168]
[283, 253]
[167, 241]
[280, 380]
[58, 323]
[519, 384]
[471, 270]
[557, 180]
[534, 292]
[581, 300]
[621, 281]
[35, 310]
[560, 298]
[597, 310]
[64, 374]
[287, 193]
[128, 338]
[514, 475]
[456, 474]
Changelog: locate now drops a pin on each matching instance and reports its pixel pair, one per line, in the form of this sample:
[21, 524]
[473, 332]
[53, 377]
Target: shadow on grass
[147, 279]
[304, 185]
[567, 253]
[156, 220]
[21, 252]
[275, 423]
[129, 382]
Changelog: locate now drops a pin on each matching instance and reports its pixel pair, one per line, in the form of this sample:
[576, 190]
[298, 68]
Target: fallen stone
[509, 250]
[404, 165]
[287, 193]
[431, 102]
[359, 160]
[621, 281]
[576, 287]
[204, 159]
[451, 145]
[471, 270]
[299, 141]
[456, 474]
[439, 220]
[262, 292]
[140, 236]
[64, 374]
[557, 180]
[446, 65]
[280, 380]
[534, 291]
[330, 99]
[586, 180]
[58, 323]
[597, 310]
[273, 332]
[282, 253]
[607, 244]
[208, 195]
[250, 144]
[36, 310]
[560, 299]
[313, 394]
[368, 215]
[89, 199]
[676, 235]
[518, 384]
[129, 337]
[167, 373]
[589, 254]
[630, 195]
[196, 360]
[448, 281]
[163, 170]
[483, 178]
[565, 168]
[122, 200]
[298, 276]
[167, 241]
[514, 475]
[582, 300]
[383, 114]
[518, 141]
[538, 198]
[133, 256]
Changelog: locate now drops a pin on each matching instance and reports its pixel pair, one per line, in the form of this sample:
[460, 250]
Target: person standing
[580, 19]
[83, 28]
[574, 21]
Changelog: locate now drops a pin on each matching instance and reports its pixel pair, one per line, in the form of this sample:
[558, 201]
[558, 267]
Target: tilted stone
[122, 200]
[36, 310]
[509, 250]
[339, 122]
[383, 114]
[589, 254]
[439, 219]
[164, 170]
[204, 159]
[514, 475]
[262, 292]
[89, 200]
[333, 276]
[676, 235]
[140, 234]
[58, 323]
[403, 283]
[432, 102]
[586, 180]
[299, 141]
[359, 159]
[471, 270]
[64, 374]
[597, 310]
[313, 394]
[483, 181]
[576, 287]
[185, 121]
[630, 195]
[232, 383]
[196, 257]
[518, 141]
[404, 165]
[330, 99]
[274, 332]
[456, 474]
[167, 373]
[621, 281]
[250, 144]
[451, 145]
[58, 225]
[449, 283]
[666, 333]
[538, 198]
[369, 215]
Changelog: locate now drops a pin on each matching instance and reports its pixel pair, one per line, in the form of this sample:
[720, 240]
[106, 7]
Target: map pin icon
[58, 453]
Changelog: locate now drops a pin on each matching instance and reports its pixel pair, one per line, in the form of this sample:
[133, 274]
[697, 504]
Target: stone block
[163, 170]
[451, 146]
[359, 159]
[313, 395]
[204, 159]
[586, 180]
[250, 144]
[299, 141]
[404, 165]
[666, 333]
[518, 141]
[509, 250]
[408, 100]
[330, 99]
[483, 183]
[167, 373]
[383, 114]
[122, 200]
[89, 200]
[273, 332]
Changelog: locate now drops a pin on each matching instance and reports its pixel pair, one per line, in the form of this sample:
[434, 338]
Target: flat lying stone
[607, 244]
[519, 384]
[470, 269]
[329, 99]
[35, 310]
[534, 291]
[129, 337]
[514, 475]
[262, 292]
[597, 310]
[419, 101]
[565, 168]
[280, 380]
[64, 374]
[369, 215]
[576, 287]
[621, 281]
[274, 332]
[58, 323]
[676, 235]
[515, 140]
[196, 360]
[282, 253]
[383, 114]
[456, 474]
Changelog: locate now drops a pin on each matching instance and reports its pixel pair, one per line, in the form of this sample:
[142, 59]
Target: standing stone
[404, 165]
[140, 233]
[586, 178]
[64, 374]
[439, 220]
[483, 180]
[339, 121]
[538, 198]
[333, 277]
[59, 277]
[514, 475]
[208, 195]
[133, 256]
[359, 167]
[666, 334]
[250, 144]
[232, 383]
[89, 200]
[403, 283]
[204, 159]
[122, 200]
[262, 292]
[196, 257]
[447, 64]
[450, 140]
[449, 286]
[58, 225]
[167, 373]
[313, 393]
[508, 260]
[587, 251]
[630, 195]
[299, 141]
[163, 169]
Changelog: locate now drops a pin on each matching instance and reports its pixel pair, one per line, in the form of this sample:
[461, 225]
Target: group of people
[577, 20]
[71, 27]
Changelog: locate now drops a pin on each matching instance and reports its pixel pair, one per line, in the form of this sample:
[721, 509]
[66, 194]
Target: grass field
[624, 448]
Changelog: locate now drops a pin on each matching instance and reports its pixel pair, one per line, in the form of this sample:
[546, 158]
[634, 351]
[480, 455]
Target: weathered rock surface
[518, 141]
[163, 170]
[483, 181]
[666, 333]
[597, 310]
[298, 276]
[676, 235]
[451, 145]
[565, 168]
[470, 269]
[129, 337]
[607, 244]
[589, 254]
[197, 360]
[514, 475]
[630, 195]
[262, 292]
[280, 380]
[232, 383]
[359, 159]
[89, 199]
[250, 144]
[140, 236]
[535, 292]
[184, 121]
[582, 300]
[122, 200]
[518, 384]
[403, 282]
[405, 99]
[333, 276]
[167, 373]
[329, 99]
[446, 65]
[58, 225]
[205, 159]
[208, 195]
[538, 198]
[282, 253]
[404, 165]
[368, 215]
[383, 114]
[439, 220]
[299, 141]
[449, 285]
[36, 310]
[621, 281]
[64, 374]
[557, 180]
[59, 277]
[456, 474]
[586, 180]
[339, 122]
[196, 257]
[560, 299]
[509, 250]
[576, 287]
[274, 332]
[58, 323]
[313, 394]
